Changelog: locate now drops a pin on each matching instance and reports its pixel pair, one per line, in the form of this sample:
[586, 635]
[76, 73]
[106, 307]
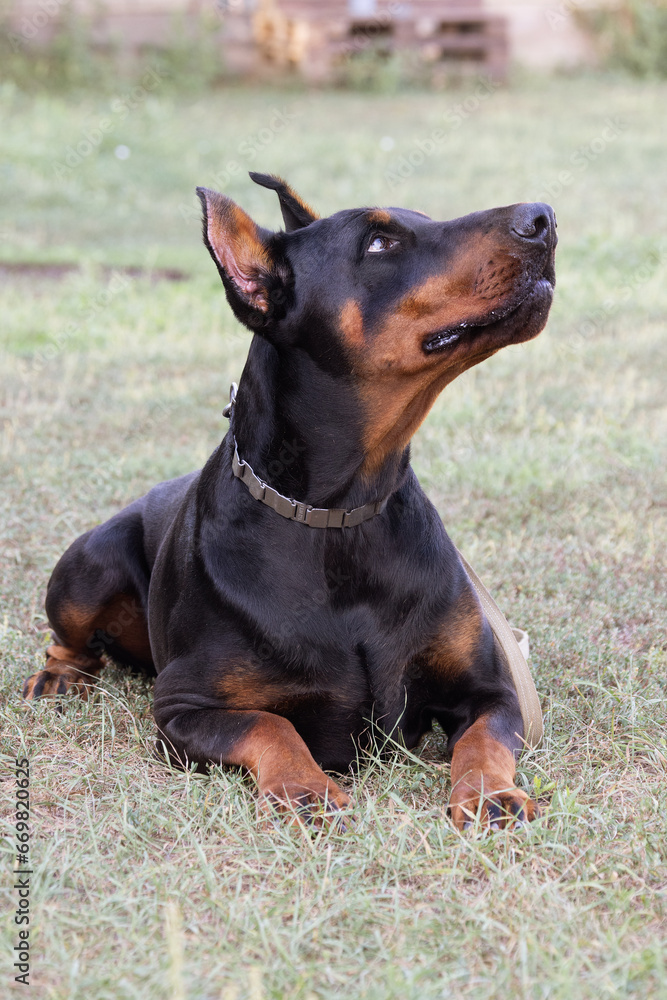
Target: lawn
[546, 463]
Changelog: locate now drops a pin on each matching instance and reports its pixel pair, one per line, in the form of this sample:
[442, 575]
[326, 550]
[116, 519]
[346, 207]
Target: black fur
[336, 624]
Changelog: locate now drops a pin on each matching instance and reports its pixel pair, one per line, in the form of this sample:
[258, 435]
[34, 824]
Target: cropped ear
[240, 248]
[296, 213]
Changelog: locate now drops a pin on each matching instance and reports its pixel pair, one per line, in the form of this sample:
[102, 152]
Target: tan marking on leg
[123, 620]
[284, 768]
[483, 770]
[69, 666]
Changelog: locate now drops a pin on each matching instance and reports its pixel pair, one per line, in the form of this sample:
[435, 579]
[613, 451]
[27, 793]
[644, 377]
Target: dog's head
[388, 300]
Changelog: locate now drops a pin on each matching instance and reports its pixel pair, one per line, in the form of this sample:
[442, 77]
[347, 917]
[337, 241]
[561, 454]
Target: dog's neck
[300, 429]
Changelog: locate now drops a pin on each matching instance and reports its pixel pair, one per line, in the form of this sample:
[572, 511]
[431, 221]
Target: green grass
[547, 464]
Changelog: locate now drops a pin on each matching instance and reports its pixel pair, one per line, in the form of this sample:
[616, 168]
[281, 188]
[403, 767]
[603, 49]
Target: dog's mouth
[520, 322]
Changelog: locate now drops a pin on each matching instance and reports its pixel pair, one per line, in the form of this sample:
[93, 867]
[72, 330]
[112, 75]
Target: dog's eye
[381, 243]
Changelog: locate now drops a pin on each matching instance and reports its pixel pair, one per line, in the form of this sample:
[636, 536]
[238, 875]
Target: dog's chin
[528, 319]
[522, 323]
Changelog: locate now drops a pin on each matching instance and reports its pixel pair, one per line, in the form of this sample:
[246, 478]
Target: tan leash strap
[531, 712]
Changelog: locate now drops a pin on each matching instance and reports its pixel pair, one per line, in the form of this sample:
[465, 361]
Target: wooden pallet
[315, 37]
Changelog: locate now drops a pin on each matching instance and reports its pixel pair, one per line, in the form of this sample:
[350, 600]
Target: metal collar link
[295, 510]
[227, 410]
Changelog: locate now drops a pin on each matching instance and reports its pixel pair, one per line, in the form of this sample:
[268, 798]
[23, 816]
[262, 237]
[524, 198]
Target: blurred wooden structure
[315, 37]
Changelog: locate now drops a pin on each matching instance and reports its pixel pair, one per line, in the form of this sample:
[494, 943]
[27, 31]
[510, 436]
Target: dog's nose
[534, 221]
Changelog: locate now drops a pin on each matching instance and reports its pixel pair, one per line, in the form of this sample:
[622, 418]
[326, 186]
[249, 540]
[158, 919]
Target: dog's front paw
[496, 810]
[312, 802]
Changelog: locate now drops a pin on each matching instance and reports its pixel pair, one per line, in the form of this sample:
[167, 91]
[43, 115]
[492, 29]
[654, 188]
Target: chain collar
[296, 510]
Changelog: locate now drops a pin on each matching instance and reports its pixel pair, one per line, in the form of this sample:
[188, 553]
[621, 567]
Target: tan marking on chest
[454, 649]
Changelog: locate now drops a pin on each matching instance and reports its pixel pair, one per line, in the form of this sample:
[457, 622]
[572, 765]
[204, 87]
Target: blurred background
[121, 104]
[315, 38]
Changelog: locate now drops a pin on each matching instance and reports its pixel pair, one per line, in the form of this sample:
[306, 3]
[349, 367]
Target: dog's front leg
[483, 771]
[464, 672]
[266, 745]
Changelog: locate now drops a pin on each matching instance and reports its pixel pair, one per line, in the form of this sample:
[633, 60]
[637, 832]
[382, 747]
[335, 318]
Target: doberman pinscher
[284, 631]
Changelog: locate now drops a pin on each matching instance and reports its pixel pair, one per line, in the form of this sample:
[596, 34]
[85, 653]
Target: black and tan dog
[279, 627]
